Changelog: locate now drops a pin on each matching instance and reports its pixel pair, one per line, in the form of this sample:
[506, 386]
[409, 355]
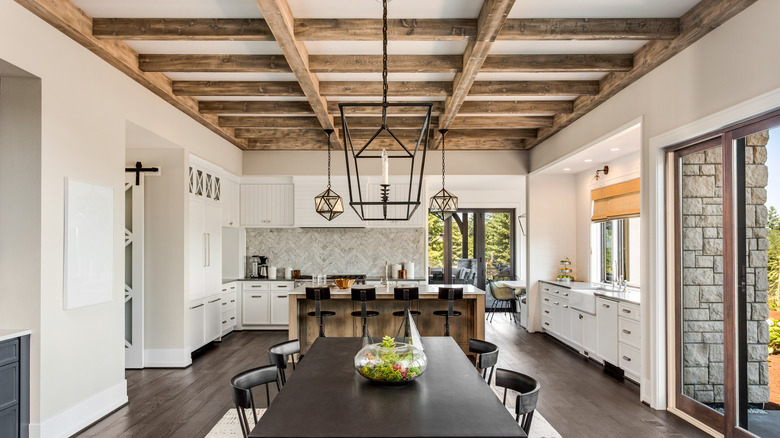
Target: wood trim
[280, 20]
[491, 18]
[77, 25]
[697, 22]
[730, 278]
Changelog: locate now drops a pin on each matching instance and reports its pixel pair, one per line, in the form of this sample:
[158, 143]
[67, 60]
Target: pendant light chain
[384, 51]
[442, 131]
[329, 132]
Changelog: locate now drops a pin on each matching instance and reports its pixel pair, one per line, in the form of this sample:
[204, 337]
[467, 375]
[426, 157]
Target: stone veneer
[339, 250]
[702, 228]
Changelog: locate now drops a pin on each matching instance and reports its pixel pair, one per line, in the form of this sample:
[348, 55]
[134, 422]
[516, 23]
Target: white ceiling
[627, 142]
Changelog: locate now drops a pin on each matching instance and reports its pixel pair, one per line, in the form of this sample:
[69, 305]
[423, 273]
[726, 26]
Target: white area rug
[229, 427]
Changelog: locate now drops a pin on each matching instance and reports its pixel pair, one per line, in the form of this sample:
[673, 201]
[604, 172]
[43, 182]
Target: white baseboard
[77, 417]
[167, 358]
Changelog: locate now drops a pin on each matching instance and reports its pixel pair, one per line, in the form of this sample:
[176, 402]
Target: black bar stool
[318, 294]
[364, 294]
[450, 294]
[406, 294]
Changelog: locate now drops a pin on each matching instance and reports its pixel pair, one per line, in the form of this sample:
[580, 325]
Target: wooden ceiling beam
[498, 122]
[396, 63]
[214, 63]
[397, 88]
[491, 18]
[288, 143]
[190, 29]
[457, 134]
[517, 107]
[351, 29]
[270, 122]
[373, 123]
[237, 88]
[697, 22]
[333, 107]
[77, 25]
[557, 63]
[280, 20]
[255, 107]
[589, 29]
[534, 88]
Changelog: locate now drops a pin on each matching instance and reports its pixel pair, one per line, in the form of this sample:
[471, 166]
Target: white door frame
[134, 291]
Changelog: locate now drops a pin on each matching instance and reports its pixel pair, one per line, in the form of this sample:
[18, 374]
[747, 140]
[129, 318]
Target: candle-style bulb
[385, 168]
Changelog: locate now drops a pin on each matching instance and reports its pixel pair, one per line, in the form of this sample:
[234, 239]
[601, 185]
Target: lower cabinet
[266, 303]
[212, 328]
[257, 308]
[229, 308]
[205, 322]
[607, 327]
[280, 311]
[197, 321]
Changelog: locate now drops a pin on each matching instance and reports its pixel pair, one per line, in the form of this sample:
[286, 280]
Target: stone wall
[702, 229]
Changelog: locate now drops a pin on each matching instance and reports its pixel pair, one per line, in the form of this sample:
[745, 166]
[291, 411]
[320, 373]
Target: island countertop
[425, 289]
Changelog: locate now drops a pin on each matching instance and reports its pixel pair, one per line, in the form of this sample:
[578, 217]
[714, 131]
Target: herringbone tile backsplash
[339, 250]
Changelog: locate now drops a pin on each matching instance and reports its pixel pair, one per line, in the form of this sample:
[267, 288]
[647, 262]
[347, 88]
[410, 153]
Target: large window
[617, 254]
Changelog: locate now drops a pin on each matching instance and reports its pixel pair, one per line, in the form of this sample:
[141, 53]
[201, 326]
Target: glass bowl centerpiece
[390, 362]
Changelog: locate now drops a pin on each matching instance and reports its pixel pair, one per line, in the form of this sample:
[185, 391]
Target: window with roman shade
[618, 201]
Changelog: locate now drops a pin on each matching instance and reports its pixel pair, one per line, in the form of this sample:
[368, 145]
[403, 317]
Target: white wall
[551, 234]
[620, 170]
[86, 105]
[730, 68]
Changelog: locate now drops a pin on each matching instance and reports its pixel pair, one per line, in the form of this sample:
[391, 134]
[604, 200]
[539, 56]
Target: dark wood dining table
[325, 396]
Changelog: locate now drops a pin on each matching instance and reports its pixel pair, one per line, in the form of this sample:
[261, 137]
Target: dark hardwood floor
[577, 398]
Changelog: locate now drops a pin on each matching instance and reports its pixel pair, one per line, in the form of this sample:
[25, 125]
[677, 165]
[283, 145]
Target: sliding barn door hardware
[140, 168]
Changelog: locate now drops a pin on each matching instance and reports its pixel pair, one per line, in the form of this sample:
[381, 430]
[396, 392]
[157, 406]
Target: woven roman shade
[618, 201]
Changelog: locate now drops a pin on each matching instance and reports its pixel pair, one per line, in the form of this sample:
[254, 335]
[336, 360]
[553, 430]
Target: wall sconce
[605, 170]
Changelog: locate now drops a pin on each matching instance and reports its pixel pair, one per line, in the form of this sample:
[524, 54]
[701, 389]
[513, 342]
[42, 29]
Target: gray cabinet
[14, 387]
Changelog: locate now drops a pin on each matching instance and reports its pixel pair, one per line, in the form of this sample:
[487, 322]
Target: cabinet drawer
[547, 310]
[547, 299]
[250, 286]
[629, 332]
[546, 288]
[630, 359]
[228, 319]
[630, 311]
[282, 285]
[228, 301]
[547, 323]
[9, 385]
[9, 351]
[9, 422]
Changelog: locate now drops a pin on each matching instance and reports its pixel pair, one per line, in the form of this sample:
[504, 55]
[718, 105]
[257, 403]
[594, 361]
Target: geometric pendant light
[328, 203]
[443, 204]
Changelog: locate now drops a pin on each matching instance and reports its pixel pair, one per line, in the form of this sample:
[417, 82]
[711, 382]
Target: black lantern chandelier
[376, 202]
[443, 204]
[328, 203]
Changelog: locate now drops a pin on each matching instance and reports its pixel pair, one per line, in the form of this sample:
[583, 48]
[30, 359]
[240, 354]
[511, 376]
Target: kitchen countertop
[631, 295]
[230, 280]
[6, 334]
[425, 289]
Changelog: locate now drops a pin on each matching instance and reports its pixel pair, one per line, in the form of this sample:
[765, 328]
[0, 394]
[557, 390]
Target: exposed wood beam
[557, 63]
[171, 29]
[397, 29]
[280, 20]
[333, 107]
[230, 29]
[255, 107]
[458, 134]
[518, 107]
[271, 122]
[697, 22]
[294, 143]
[396, 63]
[491, 18]
[398, 88]
[281, 134]
[76, 24]
[590, 29]
[534, 88]
[214, 63]
[496, 122]
[237, 88]
[372, 122]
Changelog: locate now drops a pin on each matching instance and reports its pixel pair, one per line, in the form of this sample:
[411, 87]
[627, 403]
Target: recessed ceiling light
[566, 169]
[615, 149]
[588, 160]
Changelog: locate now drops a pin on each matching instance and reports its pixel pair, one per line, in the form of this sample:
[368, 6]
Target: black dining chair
[242, 385]
[450, 294]
[486, 357]
[278, 355]
[317, 294]
[363, 295]
[527, 389]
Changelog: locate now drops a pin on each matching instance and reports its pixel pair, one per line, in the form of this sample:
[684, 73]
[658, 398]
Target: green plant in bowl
[390, 362]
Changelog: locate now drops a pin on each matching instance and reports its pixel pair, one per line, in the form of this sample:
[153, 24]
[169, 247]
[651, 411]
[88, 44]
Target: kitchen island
[471, 324]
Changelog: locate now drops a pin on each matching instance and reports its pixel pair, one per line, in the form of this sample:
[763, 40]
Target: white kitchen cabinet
[630, 340]
[607, 328]
[257, 308]
[590, 336]
[212, 328]
[230, 203]
[561, 318]
[267, 205]
[280, 310]
[307, 187]
[197, 315]
[229, 307]
[577, 324]
[205, 249]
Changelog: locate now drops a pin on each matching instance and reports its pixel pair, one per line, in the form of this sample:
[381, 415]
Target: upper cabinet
[307, 187]
[267, 205]
[205, 184]
[230, 203]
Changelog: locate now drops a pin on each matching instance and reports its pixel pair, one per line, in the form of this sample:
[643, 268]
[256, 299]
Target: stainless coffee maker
[262, 267]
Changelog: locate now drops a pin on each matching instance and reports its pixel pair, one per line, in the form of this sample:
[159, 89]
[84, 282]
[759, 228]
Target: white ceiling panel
[565, 47]
[204, 76]
[393, 47]
[206, 47]
[600, 8]
[619, 145]
[390, 76]
[170, 8]
[587, 76]
[395, 8]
